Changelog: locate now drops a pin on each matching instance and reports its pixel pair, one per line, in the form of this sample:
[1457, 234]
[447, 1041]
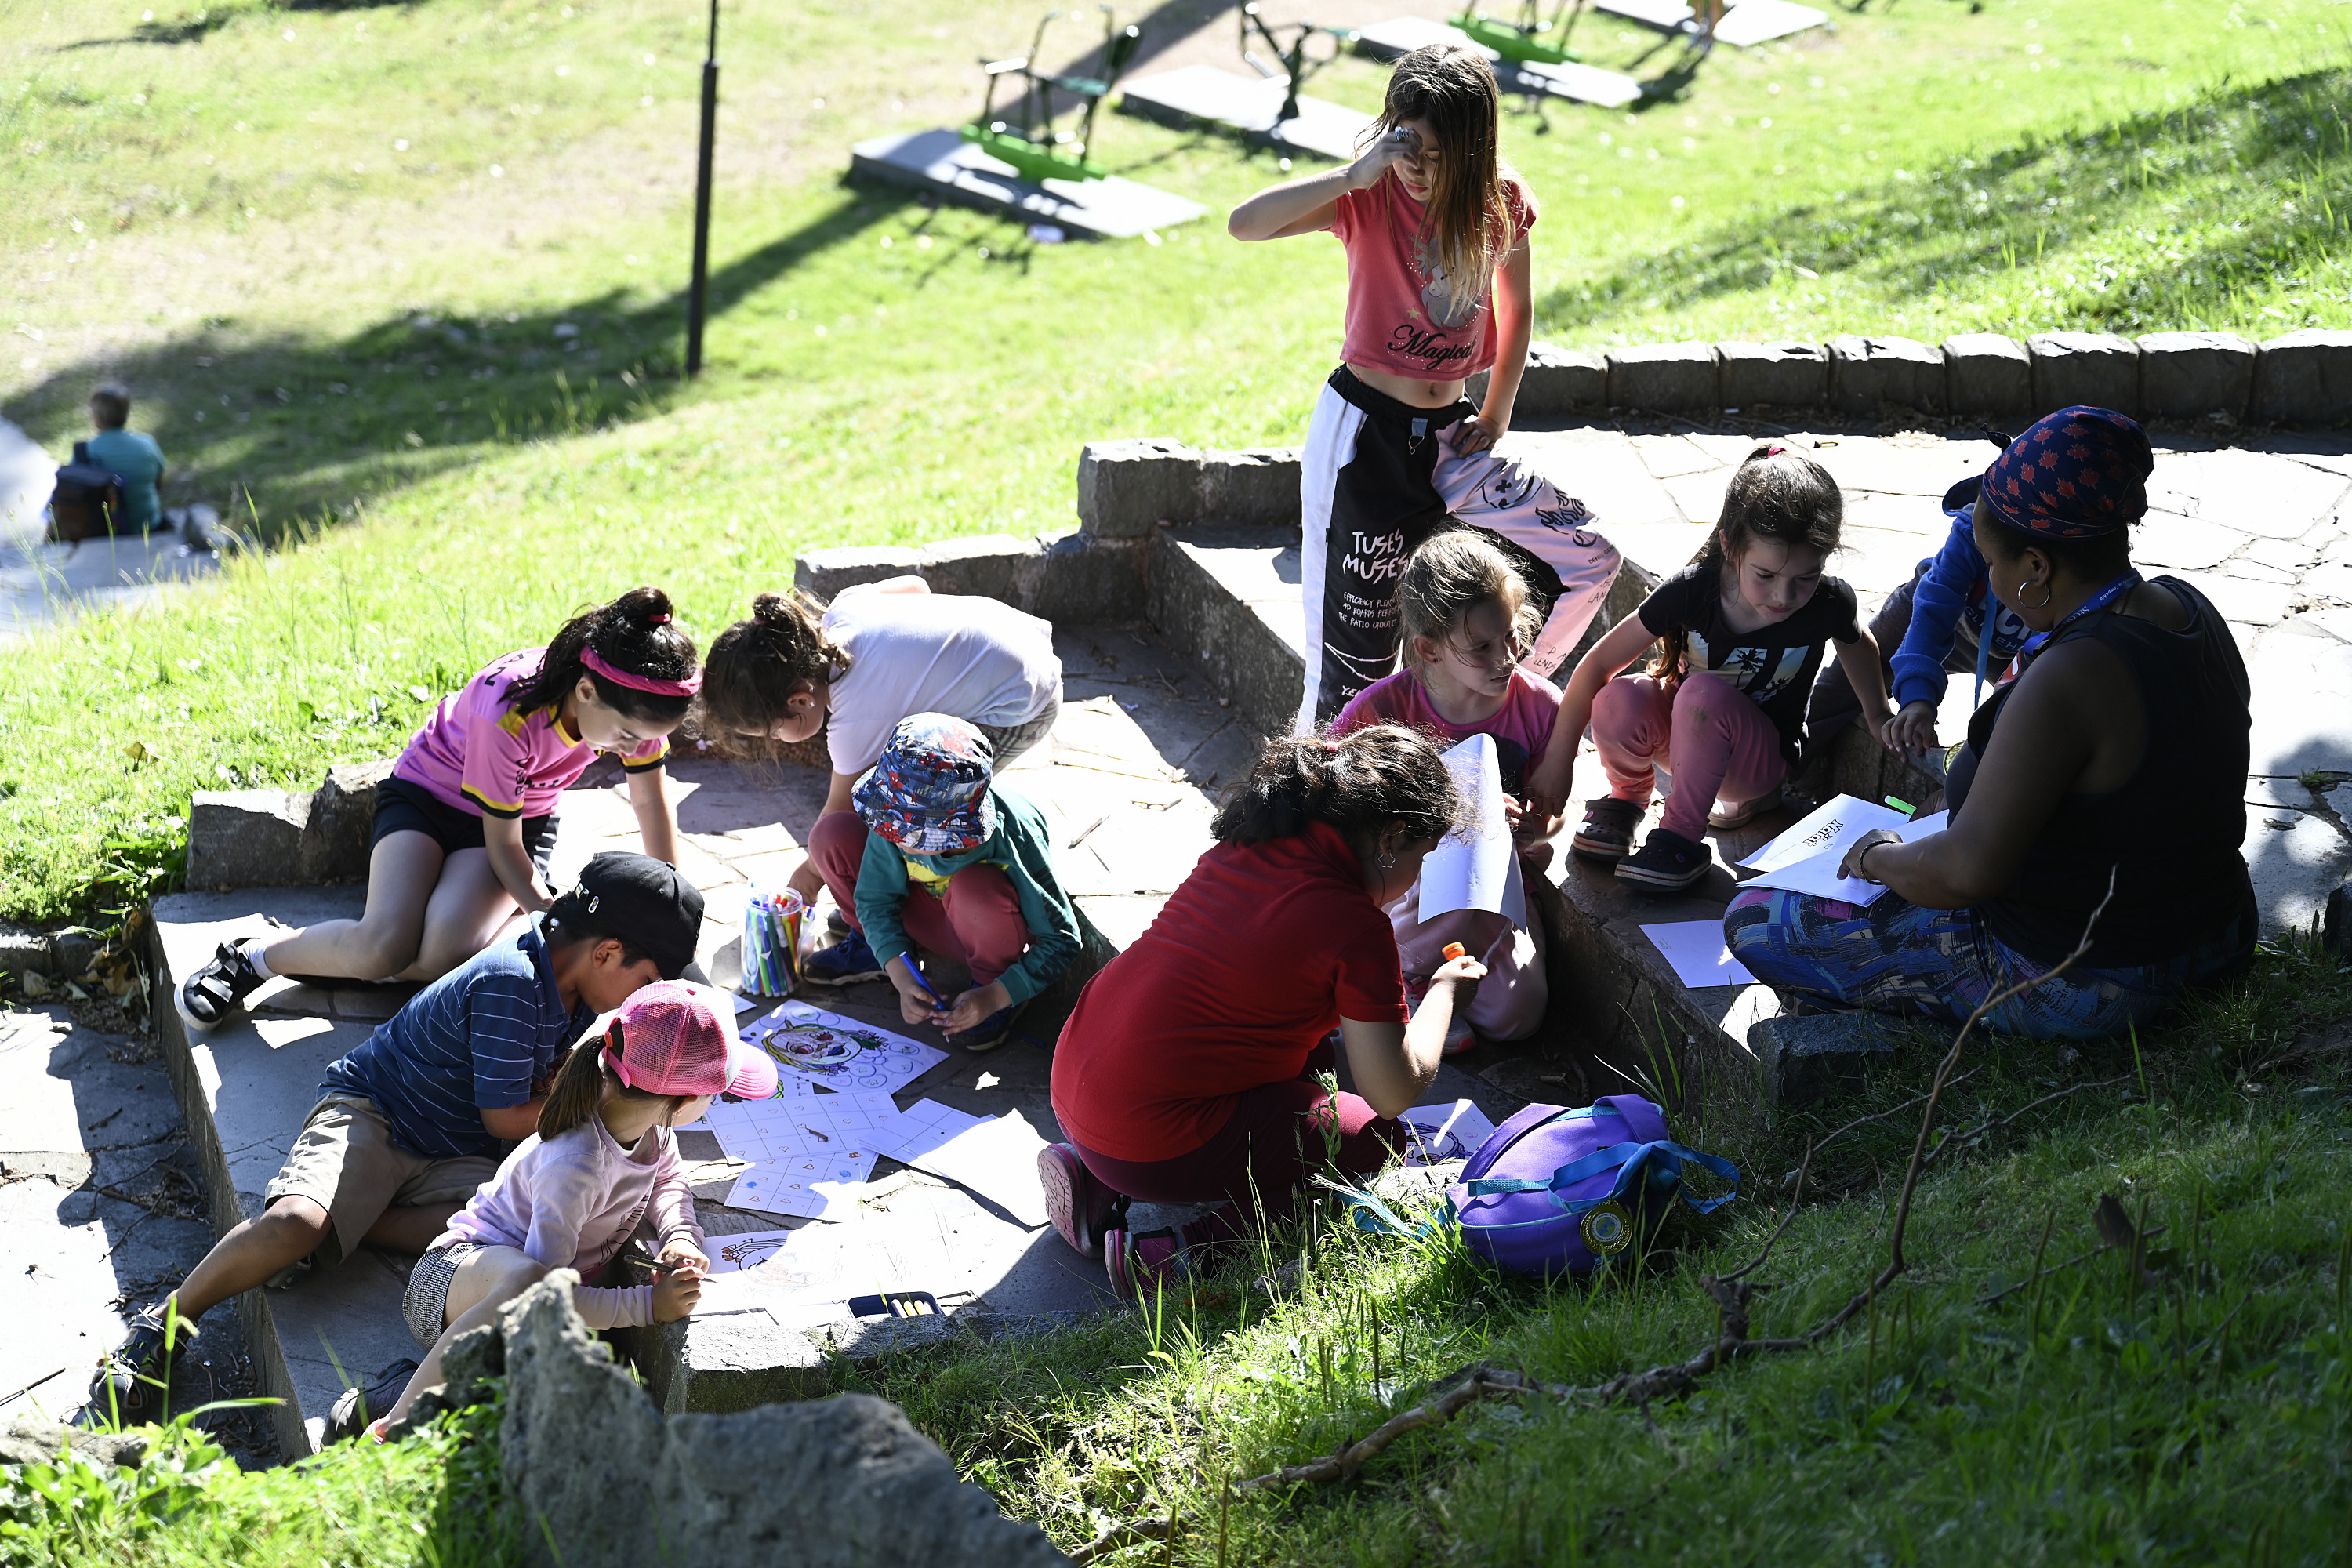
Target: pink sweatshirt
[573, 1202]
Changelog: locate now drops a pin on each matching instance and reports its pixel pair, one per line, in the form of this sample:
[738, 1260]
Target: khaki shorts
[346, 1162]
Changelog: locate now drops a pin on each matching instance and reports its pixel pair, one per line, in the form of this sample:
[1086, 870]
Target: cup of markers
[771, 942]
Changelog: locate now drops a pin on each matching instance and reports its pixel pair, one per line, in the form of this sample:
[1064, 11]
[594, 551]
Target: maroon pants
[1258, 1163]
[978, 924]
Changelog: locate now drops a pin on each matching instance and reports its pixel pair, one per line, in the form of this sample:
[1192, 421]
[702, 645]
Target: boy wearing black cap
[416, 1117]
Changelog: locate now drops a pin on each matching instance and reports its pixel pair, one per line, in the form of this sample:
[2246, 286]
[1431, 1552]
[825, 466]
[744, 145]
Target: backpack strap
[1529, 1118]
[1643, 1118]
[1714, 1163]
[1568, 1176]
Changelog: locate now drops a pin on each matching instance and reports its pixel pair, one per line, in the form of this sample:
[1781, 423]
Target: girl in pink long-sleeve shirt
[573, 1194]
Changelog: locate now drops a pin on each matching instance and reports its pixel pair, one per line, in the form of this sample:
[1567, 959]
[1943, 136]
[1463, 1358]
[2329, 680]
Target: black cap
[641, 900]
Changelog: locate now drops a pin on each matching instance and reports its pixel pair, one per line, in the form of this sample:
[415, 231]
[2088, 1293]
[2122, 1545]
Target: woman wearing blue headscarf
[2115, 758]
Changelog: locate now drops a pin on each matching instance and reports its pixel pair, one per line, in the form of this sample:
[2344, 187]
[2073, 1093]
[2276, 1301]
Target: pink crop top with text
[1399, 318]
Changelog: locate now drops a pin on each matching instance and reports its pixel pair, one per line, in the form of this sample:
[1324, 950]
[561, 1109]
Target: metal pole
[697, 297]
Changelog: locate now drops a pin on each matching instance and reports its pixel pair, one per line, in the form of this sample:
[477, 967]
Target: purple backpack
[1557, 1191]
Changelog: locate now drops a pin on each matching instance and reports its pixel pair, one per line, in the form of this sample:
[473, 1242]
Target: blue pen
[926, 984]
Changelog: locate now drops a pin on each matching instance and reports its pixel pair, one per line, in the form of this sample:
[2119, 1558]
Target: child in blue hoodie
[1935, 624]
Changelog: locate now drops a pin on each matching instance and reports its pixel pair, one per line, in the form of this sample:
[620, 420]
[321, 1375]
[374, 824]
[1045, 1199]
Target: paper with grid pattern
[808, 1154]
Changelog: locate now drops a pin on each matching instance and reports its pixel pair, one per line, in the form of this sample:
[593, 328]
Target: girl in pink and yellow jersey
[466, 823]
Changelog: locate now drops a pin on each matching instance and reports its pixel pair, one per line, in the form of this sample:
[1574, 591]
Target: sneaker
[1140, 1263]
[836, 924]
[1667, 863]
[1606, 835]
[357, 1409]
[990, 1032]
[845, 963]
[1459, 1036]
[1080, 1206]
[134, 1381]
[212, 992]
[1728, 814]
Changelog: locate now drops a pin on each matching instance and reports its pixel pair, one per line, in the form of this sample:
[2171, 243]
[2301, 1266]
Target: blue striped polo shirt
[476, 1039]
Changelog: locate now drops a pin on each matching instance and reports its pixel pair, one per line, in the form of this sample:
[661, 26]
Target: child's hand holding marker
[677, 1285]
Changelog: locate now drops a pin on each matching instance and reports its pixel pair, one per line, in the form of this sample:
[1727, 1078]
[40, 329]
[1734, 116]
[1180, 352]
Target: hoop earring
[2044, 605]
[1387, 861]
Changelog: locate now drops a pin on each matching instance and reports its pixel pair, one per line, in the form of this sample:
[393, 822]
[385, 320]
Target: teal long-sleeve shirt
[1022, 847]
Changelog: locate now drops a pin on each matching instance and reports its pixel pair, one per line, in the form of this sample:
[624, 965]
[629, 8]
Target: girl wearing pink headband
[465, 827]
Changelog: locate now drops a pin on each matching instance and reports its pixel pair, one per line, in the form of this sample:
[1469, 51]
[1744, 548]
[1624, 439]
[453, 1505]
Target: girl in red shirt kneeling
[1186, 1073]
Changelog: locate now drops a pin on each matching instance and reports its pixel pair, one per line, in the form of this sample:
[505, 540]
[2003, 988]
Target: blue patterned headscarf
[2076, 474]
[929, 792]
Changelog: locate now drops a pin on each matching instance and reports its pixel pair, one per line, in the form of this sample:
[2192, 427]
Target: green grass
[432, 1501]
[340, 337]
[2201, 1413]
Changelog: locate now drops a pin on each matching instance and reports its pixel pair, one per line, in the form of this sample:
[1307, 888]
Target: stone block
[1083, 577]
[987, 565]
[2188, 375]
[1775, 376]
[1669, 378]
[1866, 373]
[245, 837]
[735, 1362]
[822, 574]
[1987, 372]
[1556, 383]
[1127, 487]
[30, 1440]
[342, 811]
[2099, 368]
[2304, 378]
[1807, 1059]
[2336, 925]
[1256, 486]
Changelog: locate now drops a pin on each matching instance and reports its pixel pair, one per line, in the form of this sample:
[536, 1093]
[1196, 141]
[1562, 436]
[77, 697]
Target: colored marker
[1453, 950]
[926, 984]
[1902, 806]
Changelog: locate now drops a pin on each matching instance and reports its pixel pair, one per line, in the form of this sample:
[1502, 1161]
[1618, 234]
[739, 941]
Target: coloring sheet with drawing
[808, 1152]
[1817, 872]
[1449, 1130]
[811, 1043]
[780, 1272]
[1483, 874]
[1827, 828]
[1698, 951]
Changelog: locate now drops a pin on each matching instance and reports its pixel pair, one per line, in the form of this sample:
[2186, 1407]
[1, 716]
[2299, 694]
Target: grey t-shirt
[975, 659]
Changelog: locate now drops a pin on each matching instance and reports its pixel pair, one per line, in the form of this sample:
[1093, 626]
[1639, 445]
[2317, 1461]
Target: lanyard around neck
[2115, 589]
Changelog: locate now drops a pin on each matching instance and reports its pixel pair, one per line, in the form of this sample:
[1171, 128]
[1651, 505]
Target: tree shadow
[283, 431]
[2040, 200]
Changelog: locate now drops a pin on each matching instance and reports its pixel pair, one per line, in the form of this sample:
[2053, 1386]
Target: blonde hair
[1451, 574]
[1452, 90]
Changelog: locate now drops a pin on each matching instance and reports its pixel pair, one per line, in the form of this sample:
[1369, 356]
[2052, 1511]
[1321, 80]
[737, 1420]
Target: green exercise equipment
[1030, 143]
[1297, 64]
[1525, 40]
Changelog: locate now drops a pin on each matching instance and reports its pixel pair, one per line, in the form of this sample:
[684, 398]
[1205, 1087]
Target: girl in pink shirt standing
[571, 1194]
[466, 823]
[1433, 223]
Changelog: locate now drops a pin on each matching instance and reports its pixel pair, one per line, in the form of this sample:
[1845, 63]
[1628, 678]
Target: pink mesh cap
[674, 1041]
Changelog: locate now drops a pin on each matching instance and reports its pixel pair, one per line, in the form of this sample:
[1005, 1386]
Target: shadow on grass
[282, 432]
[2160, 220]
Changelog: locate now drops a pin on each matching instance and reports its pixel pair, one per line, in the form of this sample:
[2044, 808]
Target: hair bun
[770, 607]
[646, 606]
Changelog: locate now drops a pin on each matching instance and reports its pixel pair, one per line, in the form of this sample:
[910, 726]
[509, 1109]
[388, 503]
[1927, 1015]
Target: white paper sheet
[840, 1053]
[810, 1154]
[1828, 828]
[787, 1272]
[1696, 951]
[1483, 874]
[995, 1156]
[1818, 874]
[920, 1128]
[1449, 1130]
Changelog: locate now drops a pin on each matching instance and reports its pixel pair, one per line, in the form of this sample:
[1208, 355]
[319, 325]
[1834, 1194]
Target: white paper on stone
[1828, 828]
[1448, 1130]
[810, 1154]
[1483, 874]
[920, 1128]
[994, 1156]
[1698, 953]
[809, 1043]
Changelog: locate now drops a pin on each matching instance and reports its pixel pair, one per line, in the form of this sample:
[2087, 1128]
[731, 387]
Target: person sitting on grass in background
[960, 866]
[132, 454]
[1466, 618]
[466, 823]
[571, 1194]
[880, 652]
[1723, 704]
[1188, 1072]
[1932, 625]
[413, 1121]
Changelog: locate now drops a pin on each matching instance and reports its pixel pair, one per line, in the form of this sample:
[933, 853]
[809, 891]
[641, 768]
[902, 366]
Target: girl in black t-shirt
[1740, 633]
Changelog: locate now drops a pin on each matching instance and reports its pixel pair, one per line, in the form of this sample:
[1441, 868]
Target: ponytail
[756, 666]
[634, 634]
[1776, 493]
[580, 1086]
[1361, 783]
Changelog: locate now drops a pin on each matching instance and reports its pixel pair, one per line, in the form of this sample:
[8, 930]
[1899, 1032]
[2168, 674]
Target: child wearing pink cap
[571, 1194]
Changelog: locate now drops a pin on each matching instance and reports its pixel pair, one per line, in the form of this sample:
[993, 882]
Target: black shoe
[1667, 863]
[1606, 835]
[134, 1381]
[356, 1408]
[212, 992]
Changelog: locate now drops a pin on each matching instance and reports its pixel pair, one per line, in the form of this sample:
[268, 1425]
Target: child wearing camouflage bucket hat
[961, 866]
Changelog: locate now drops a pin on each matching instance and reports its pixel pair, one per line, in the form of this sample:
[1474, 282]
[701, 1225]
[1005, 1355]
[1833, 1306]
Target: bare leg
[402, 873]
[486, 1281]
[467, 908]
[411, 1229]
[288, 1232]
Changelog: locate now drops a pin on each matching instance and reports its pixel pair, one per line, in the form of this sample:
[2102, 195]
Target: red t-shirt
[1254, 960]
[1521, 727]
[1400, 317]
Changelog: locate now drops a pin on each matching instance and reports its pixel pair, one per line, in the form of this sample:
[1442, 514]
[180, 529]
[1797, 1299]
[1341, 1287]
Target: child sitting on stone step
[572, 1194]
[879, 653]
[1466, 617]
[466, 823]
[960, 864]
